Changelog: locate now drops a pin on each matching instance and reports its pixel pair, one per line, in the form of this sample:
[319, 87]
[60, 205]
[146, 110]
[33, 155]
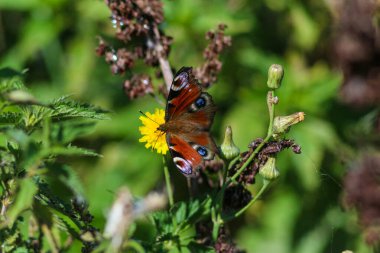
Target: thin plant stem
[228, 168]
[162, 59]
[270, 104]
[216, 224]
[270, 96]
[168, 183]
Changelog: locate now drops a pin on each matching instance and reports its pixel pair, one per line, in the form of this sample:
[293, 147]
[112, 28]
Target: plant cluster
[186, 226]
[40, 192]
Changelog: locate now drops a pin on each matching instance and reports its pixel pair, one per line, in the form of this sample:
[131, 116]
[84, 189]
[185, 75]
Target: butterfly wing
[189, 115]
[185, 157]
[183, 91]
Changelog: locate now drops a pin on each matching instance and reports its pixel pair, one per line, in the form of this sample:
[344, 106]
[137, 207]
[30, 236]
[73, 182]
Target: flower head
[151, 135]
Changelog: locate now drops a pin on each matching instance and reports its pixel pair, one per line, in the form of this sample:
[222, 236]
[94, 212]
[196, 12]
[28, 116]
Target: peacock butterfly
[188, 117]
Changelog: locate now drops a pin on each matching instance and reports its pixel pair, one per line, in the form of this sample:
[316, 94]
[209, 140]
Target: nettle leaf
[9, 73]
[163, 222]
[64, 108]
[18, 136]
[13, 118]
[66, 225]
[71, 150]
[21, 250]
[9, 84]
[179, 210]
[67, 131]
[10, 237]
[28, 150]
[188, 213]
[70, 178]
[23, 200]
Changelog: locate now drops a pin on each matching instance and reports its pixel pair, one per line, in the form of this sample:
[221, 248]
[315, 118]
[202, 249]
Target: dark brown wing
[189, 115]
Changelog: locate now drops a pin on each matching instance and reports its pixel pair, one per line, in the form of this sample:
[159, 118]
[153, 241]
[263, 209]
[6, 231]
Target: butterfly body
[188, 118]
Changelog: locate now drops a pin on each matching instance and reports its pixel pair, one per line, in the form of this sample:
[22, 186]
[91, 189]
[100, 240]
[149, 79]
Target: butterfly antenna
[148, 117]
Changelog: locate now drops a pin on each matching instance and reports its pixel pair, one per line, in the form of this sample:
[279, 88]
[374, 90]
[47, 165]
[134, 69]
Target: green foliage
[175, 228]
[42, 141]
[35, 136]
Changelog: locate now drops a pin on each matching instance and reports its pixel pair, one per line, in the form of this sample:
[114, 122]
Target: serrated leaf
[64, 132]
[23, 200]
[179, 210]
[65, 108]
[7, 85]
[21, 250]
[70, 178]
[9, 73]
[195, 211]
[10, 118]
[163, 223]
[194, 207]
[71, 150]
[63, 224]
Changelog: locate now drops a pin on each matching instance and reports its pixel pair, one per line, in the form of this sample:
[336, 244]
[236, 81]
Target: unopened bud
[269, 171]
[281, 124]
[275, 75]
[228, 147]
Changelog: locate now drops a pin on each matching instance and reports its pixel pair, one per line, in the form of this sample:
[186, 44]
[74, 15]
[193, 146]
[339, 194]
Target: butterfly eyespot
[206, 153]
[180, 81]
[200, 102]
[183, 165]
[202, 151]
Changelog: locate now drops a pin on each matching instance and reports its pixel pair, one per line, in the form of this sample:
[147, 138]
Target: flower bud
[281, 124]
[275, 75]
[229, 149]
[269, 171]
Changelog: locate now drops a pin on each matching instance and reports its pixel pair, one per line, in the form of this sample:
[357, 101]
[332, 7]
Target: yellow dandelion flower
[153, 137]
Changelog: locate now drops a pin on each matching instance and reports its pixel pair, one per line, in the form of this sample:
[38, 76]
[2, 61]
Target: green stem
[270, 96]
[228, 168]
[216, 224]
[168, 184]
[263, 188]
[219, 197]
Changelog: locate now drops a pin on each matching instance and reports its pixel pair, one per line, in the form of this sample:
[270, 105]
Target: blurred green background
[303, 212]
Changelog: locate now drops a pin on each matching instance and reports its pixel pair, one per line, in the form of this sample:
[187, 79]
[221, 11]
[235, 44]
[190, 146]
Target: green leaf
[10, 118]
[179, 210]
[196, 247]
[71, 150]
[67, 131]
[65, 108]
[66, 225]
[7, 85]
[24, 199]
[21, 250]
[9, 72]
[163, 222]
[199, 210]
[70, 178]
